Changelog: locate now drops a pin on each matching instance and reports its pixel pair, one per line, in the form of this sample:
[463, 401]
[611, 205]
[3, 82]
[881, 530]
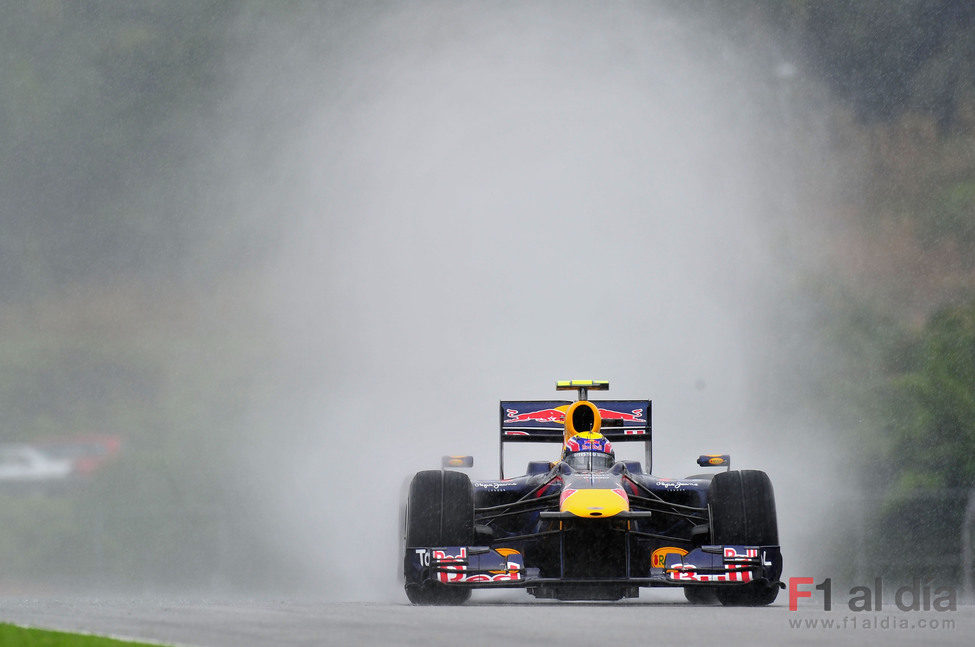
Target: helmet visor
[589, 461]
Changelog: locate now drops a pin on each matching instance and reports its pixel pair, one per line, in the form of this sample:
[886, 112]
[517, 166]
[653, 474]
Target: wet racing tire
[439, 512]
[431, 593]
[742, 506]
[701, 595]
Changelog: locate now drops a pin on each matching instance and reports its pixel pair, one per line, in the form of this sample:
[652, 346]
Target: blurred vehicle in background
[53, 464]
[87, 454]
[23, 466]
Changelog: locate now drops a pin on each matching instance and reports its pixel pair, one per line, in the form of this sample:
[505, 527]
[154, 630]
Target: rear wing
[543, 421]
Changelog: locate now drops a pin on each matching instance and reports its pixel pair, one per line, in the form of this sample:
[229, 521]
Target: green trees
[886, 58]
[100, 109]
[921, 457]
[931, 431]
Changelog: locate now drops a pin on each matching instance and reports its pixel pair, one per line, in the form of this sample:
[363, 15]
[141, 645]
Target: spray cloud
[469, 201]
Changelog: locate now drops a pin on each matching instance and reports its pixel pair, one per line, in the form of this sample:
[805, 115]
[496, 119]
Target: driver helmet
[583, 447]
[588, 450]
[588, 441]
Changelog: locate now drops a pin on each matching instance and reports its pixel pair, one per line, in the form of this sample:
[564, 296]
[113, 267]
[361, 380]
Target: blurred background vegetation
[111, 304]
[896, 303]
[899, 302]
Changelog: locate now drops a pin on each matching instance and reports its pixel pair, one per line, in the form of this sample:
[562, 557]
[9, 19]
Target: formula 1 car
[588, 527]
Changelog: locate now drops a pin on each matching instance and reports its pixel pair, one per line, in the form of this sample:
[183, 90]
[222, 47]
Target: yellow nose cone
[594, 503]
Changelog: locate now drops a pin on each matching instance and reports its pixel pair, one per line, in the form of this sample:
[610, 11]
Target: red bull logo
[558, 415]
[566, 493]
[636, 415]
[738, 567]
[543, 415]
[579, 443]
[452, 568]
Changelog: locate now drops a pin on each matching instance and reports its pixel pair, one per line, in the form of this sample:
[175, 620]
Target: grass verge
[14, 636]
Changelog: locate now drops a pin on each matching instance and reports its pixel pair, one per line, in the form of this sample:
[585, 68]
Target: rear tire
[742, 506]
[439, 512]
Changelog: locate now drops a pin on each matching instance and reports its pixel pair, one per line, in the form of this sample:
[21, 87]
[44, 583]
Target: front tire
[700, 595]
[439, 512]
[435, 594]
[742, 506]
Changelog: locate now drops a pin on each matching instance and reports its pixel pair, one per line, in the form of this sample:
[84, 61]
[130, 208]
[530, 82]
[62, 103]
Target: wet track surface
[660, 618]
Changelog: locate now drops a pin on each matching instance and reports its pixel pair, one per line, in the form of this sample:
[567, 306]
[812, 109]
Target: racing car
[588, 526]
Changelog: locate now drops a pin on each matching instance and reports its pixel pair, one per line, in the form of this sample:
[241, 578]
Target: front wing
[483, 567]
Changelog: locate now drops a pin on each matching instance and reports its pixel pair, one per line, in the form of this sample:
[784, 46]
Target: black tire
[432, 593]
[702, 595]
[439, 512]
[742, 506]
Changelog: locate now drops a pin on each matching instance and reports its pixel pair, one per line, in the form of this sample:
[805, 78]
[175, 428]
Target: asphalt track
[658, 618]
